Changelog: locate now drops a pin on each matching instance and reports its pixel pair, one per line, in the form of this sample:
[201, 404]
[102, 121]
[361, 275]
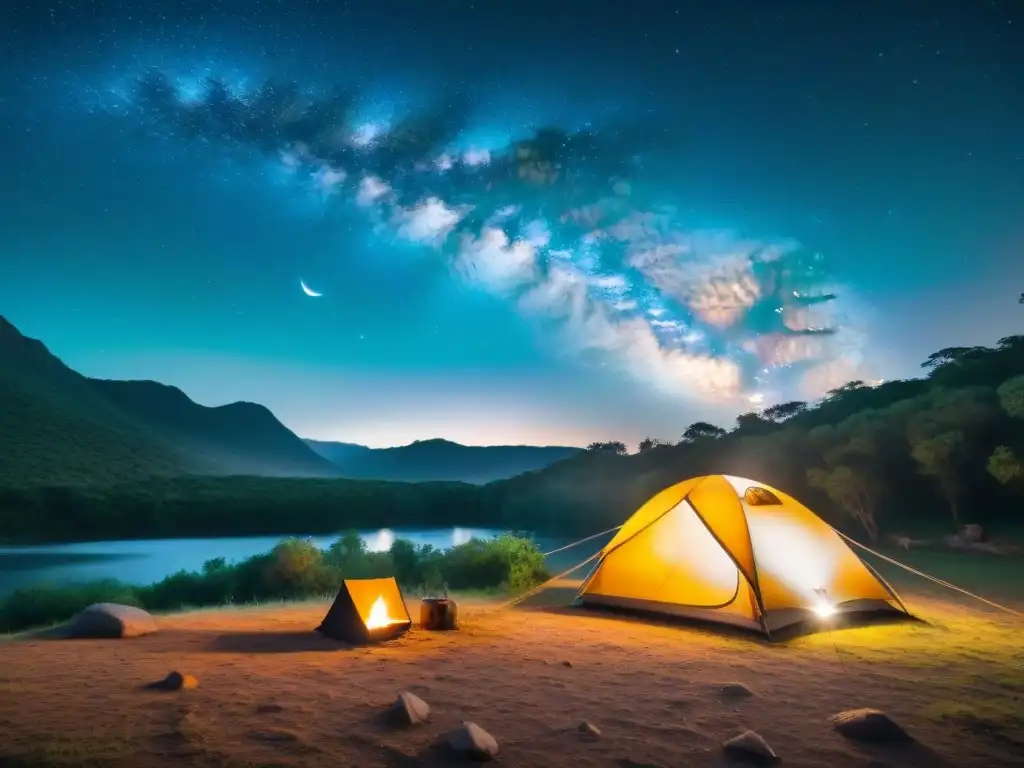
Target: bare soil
[274, 693]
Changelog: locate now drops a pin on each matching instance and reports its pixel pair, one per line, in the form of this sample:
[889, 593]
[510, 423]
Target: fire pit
[366, 611]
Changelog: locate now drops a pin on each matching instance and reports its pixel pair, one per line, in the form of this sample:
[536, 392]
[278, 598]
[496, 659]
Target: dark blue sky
[608, 285]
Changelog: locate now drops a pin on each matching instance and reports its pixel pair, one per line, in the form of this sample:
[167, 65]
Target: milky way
[564, 224]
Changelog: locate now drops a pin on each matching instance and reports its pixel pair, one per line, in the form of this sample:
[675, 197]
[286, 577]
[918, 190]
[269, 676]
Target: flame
[378, 616]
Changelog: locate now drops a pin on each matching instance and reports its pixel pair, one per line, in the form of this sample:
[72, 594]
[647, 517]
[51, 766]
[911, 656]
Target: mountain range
[59, 427]
[428, 460]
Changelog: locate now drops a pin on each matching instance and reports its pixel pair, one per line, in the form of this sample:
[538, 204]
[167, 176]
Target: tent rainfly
[725, 549]
[366, 610]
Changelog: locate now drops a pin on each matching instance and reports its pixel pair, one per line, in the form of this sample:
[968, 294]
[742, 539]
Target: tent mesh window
[760, 497]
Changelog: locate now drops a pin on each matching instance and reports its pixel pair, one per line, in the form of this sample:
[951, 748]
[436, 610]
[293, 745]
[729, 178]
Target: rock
[735, 691]
[409, 709]
[567, 664]
[110, 620]
[470, 740]
[176, 681]
[751, 747]
[869, 725]
[588, 731]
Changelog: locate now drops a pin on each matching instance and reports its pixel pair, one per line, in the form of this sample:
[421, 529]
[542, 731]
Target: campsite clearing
[272, 692]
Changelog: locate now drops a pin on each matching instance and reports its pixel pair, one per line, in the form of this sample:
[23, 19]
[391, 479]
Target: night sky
[526, 225]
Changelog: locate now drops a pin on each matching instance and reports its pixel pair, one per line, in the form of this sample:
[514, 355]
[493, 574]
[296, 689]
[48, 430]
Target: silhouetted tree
[955, 355]
[702, 430]
[751, 423]
[784, 411]
[647, 444]
[613, 447]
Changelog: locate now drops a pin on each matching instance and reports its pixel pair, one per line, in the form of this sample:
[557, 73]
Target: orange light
[378, 617]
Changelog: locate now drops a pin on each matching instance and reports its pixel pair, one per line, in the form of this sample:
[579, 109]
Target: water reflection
[380, 541]
[461, 536]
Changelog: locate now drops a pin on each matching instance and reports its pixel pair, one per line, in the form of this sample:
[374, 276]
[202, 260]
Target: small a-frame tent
[725, 549]
[366, 610]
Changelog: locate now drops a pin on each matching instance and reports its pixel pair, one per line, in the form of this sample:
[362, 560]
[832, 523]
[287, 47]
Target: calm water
[147, 561]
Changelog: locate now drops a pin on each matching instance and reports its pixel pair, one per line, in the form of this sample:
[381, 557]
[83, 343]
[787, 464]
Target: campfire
[378, 616]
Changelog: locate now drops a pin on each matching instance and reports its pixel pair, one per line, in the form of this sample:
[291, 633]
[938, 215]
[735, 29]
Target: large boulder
[110, 620]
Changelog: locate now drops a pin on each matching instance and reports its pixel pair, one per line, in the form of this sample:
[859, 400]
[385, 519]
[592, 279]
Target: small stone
[751, 746]
[588, 731]
[869, 725]
[735, 691]
[470, 740]
[176, 681]
[410, 709]
[567, 664]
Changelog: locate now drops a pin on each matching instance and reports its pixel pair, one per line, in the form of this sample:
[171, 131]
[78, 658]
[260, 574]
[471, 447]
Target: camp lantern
[726, 549]
[365, 611]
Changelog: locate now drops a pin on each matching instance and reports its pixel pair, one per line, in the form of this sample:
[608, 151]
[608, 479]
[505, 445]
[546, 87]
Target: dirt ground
[273, 693]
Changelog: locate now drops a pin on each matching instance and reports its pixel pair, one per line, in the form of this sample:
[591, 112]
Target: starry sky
[538, 222]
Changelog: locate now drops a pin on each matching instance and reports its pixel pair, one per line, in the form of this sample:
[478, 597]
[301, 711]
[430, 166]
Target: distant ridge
[440, 460]
[58, 426]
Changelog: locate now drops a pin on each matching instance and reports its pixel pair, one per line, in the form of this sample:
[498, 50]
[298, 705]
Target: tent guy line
[530, 593]
[924, 575]
[581, 541]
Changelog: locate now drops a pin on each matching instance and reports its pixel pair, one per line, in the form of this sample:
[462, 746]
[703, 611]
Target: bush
[294, 569]
[48, 604]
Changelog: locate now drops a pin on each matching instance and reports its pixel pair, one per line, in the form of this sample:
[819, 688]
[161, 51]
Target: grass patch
[998, 717]
[295, 569]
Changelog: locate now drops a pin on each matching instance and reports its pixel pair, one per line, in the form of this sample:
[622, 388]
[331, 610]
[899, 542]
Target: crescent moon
[307, 290]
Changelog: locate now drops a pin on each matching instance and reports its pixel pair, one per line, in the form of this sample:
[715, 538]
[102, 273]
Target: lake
[148, 561]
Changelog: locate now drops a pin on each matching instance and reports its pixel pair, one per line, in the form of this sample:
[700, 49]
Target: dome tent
[726, 549]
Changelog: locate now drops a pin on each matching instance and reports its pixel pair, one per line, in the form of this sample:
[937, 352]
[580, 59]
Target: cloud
[366, 134]
[590, 325]
[327, 178]
[371, 190]
[610, 282]
[561, 222]
[495, 262]
[429, 221]
[475, 156]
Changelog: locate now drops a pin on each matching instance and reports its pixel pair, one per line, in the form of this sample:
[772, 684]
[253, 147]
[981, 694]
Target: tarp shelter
[726, 549]
[367, 610]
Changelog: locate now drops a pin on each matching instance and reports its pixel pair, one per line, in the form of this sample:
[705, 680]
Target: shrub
[294, 569]
[43, 605]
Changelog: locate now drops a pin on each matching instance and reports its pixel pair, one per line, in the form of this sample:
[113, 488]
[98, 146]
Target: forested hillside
[924, 454]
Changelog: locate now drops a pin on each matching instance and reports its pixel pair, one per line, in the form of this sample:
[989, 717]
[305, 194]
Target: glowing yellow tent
[731, 550]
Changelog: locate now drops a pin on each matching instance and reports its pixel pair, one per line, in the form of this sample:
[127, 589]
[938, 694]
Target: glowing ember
[378, 617]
